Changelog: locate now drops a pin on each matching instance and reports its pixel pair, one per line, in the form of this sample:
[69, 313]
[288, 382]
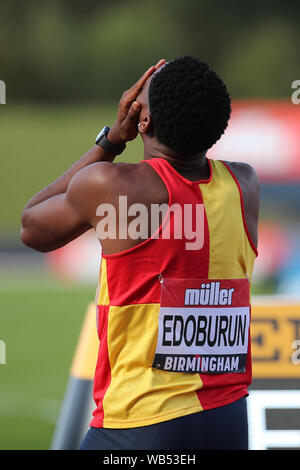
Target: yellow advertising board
[275, 337]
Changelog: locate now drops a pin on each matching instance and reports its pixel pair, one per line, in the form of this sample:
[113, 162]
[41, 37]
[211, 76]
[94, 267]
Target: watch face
[102, 133]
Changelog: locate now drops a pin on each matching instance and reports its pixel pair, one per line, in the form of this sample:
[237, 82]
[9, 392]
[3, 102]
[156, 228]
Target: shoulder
[244, 172]
[247, 180]
[103, 182]
[99, 183]
[102, 174]
[103, 170]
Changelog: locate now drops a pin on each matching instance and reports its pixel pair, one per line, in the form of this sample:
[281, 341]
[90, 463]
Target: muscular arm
[49, 220]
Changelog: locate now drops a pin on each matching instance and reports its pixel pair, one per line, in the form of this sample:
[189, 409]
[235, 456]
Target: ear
[145, 123]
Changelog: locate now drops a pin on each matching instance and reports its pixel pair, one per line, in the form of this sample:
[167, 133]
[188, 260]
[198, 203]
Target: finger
[134, 111]
[137, 87]
[131, 94]
[141, 82]
[160, 63]
[132, 118]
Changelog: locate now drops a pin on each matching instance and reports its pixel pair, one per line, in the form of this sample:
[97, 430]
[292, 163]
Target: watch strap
[103, 142]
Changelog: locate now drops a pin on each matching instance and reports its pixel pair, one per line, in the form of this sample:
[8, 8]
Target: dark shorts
[223, 428]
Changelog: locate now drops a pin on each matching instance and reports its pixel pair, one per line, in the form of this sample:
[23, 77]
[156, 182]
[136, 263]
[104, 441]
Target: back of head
[189, 106]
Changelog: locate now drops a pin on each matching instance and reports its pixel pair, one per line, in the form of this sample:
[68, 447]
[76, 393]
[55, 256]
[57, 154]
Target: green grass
[37, 144]
[40, 328]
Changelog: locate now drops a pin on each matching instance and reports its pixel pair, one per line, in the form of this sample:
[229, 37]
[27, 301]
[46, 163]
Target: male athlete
[173, 304]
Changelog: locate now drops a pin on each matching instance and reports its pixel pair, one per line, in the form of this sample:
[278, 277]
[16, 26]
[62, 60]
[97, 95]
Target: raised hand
[125, 128]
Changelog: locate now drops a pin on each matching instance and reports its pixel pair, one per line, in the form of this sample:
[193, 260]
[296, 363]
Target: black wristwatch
[103, 142]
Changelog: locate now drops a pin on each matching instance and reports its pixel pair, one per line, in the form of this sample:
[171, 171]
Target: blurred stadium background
[65, 64]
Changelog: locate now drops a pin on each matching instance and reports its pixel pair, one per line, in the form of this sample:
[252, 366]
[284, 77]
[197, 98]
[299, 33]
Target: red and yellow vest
[128, 390]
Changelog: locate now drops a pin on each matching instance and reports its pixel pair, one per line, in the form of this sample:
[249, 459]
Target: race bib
[203, 326]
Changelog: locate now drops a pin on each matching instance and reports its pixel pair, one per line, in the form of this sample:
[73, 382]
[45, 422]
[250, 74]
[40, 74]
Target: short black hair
[189, 105]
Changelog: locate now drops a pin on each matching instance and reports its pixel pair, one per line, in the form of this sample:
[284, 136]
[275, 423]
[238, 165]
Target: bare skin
[67, 207]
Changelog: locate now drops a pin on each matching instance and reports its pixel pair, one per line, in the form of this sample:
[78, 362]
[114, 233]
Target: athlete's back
[154, 365]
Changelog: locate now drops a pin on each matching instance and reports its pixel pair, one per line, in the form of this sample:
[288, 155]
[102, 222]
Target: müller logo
[208, 294]
[2, 92]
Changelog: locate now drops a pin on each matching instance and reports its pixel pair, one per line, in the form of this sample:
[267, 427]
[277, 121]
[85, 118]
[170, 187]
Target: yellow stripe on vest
[103, 298]
[230, 253]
